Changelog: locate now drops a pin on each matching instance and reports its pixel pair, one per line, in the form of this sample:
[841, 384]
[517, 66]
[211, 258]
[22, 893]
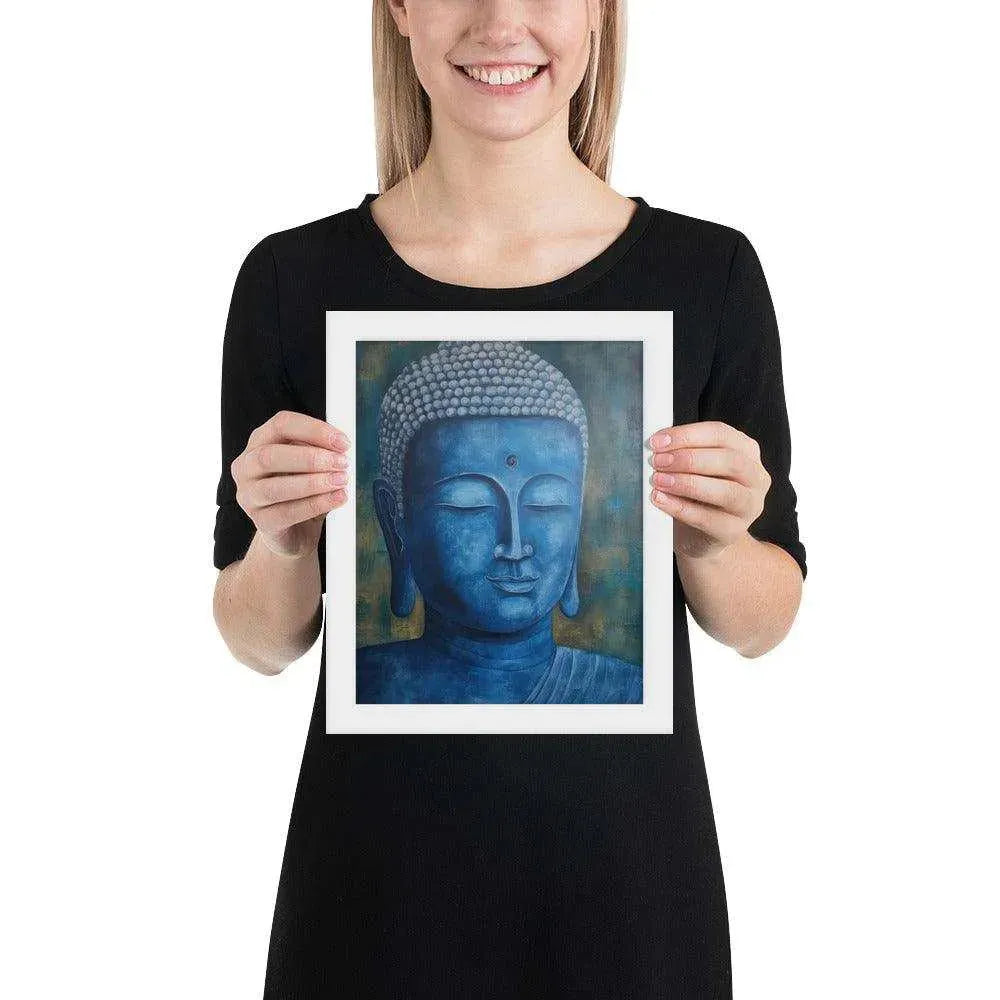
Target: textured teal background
[607, 376]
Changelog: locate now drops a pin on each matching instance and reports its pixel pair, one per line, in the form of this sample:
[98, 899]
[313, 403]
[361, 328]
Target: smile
[513, 78]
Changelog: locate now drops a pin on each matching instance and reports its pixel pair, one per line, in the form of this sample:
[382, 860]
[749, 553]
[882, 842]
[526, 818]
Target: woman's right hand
[292, 472]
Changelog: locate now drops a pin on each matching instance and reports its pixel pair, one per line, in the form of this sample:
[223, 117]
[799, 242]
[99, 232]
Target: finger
[703, 434]
[287, 425]
[660, 438]
[278, 489]
[735, 498]
[712, 521]
[275, 459]
[724, 463]
[280, 516]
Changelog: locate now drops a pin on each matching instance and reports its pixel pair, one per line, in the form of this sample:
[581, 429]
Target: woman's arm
[739, 556]
[742, 591]
[282, 472]
[745, 595]
[269, 607]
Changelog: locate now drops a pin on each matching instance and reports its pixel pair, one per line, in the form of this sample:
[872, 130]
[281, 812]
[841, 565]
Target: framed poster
[498, 566]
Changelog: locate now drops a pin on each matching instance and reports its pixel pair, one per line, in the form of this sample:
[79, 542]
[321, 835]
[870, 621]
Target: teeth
[504, 77]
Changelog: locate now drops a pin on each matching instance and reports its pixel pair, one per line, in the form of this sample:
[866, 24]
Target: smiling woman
[565, 863]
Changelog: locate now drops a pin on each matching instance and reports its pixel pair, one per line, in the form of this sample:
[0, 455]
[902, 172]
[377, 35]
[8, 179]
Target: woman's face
[508, 38]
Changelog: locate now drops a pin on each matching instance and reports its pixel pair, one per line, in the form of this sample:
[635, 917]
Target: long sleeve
[254, 388]
[745, 389]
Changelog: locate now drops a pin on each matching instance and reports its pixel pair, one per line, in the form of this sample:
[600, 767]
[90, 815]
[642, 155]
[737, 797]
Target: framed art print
[498, 566]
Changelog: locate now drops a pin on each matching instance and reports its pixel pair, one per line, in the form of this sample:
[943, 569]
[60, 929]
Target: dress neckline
[447, 292]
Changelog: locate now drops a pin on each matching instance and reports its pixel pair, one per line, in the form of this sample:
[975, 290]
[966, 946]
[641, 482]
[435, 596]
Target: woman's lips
[500, 89]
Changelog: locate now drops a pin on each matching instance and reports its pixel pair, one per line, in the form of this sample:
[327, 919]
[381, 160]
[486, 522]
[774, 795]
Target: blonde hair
[403, 110]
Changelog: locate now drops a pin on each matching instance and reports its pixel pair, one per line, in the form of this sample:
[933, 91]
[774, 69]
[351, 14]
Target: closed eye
[490, 506]
[456, 506]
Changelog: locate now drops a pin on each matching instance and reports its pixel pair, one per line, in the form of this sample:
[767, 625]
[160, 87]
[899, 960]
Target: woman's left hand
[710, 479]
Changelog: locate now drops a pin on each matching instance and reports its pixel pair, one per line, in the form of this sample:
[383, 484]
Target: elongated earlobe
[403, 594]
[403, 591]
[569, 603]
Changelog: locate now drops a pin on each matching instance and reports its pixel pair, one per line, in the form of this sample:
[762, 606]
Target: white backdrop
[148, 776]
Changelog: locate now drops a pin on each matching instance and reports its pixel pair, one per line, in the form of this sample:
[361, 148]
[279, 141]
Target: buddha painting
[479, 498]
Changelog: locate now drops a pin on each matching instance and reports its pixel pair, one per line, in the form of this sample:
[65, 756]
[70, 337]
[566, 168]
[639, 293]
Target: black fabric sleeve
[745, 389]
[254, 388]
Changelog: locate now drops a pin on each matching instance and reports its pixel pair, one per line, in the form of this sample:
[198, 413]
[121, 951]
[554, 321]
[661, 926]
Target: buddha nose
[525, 551]
[516, 550]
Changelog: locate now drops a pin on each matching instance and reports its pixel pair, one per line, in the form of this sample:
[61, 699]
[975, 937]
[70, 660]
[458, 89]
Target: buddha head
[482, 454]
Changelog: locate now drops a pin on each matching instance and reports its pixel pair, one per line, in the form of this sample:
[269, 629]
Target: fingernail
[659, 440]
[658, 496]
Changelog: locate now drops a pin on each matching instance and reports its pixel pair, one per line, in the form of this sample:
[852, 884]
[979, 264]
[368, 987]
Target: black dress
[506, 866]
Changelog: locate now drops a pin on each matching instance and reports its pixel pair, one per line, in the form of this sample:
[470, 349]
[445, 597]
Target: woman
[503, 865]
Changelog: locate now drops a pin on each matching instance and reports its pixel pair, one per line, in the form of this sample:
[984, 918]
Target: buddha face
[491, 509]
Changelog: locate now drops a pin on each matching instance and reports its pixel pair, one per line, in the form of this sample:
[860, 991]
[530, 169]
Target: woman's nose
[498, 30]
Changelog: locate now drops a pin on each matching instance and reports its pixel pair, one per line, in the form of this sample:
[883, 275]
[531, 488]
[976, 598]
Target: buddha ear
[403, 592]
[386, 508]
[569, 603]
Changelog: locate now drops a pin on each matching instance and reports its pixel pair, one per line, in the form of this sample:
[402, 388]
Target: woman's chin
[500, 124]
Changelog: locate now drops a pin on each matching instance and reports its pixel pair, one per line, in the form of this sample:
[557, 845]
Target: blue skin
[490, 534]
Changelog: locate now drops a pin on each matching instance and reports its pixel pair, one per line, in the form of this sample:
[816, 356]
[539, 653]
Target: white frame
[343, 714]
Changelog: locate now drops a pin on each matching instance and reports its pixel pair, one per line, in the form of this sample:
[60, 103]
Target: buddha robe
[411, 672]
